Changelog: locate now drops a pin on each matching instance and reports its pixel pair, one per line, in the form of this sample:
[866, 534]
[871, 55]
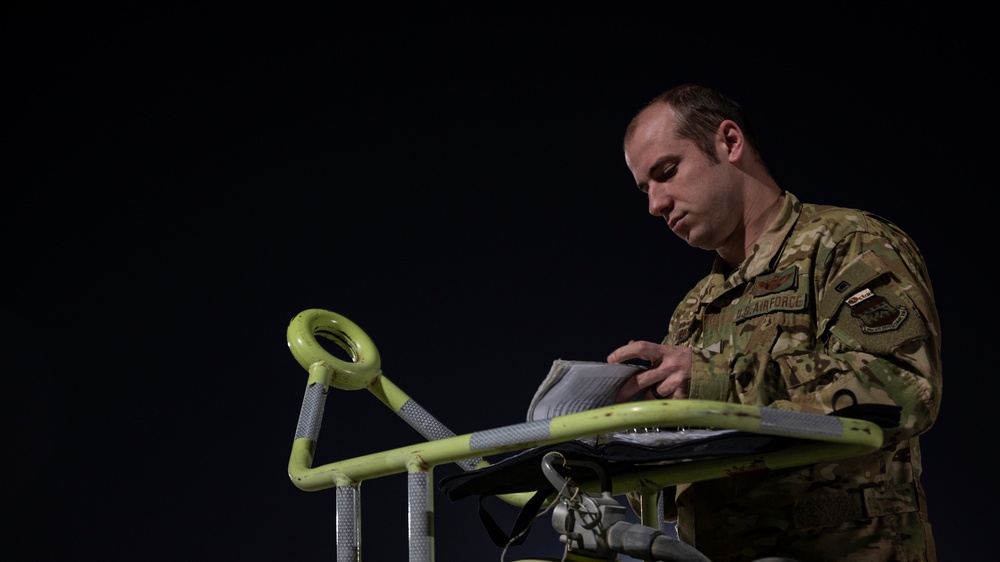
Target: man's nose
[660, 202]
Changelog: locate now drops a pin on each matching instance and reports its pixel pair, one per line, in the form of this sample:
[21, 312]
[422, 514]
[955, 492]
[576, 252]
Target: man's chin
[694, 241]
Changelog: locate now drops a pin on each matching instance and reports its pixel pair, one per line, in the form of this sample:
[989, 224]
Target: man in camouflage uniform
[804, 302]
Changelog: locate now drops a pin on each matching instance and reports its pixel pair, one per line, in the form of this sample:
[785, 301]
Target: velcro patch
[770, 303]
[856, 274]
[875, 313]
[775, 282]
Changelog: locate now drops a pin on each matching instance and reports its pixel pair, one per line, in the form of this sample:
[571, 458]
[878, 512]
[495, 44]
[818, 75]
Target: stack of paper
[576, 386]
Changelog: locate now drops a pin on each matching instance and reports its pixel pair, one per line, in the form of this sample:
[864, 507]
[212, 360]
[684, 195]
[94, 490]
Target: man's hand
[669, 375]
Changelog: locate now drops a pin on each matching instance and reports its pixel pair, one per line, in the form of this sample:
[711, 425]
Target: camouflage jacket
[830, 299]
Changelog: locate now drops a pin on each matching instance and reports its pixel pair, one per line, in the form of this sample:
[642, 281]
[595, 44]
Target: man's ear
[731, 140]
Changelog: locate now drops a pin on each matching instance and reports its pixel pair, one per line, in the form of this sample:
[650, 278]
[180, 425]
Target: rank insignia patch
[775, 282]
[875, 313]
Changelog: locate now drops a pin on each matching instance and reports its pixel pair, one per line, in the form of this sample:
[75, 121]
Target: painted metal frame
[823, 437]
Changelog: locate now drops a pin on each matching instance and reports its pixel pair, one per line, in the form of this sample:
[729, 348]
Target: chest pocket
[757, 319]
[749, 318]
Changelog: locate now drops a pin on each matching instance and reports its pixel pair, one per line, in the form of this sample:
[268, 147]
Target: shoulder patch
[878, 319]
[853, 276]
[874, 313]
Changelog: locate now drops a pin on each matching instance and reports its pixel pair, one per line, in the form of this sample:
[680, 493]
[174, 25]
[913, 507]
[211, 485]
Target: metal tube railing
[822, 437]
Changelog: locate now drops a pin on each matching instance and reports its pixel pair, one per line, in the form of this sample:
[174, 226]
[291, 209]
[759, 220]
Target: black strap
[522, 524]
[885, 416]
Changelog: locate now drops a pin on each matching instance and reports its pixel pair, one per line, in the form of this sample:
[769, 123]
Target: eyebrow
[663, 160]
[659, 163]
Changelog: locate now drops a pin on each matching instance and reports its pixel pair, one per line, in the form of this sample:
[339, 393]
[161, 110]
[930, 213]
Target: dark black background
[180, 182]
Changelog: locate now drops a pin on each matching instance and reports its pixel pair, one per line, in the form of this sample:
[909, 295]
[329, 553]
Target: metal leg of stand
[349, 523]
[651, 509]
[421, 516]
[659, 512]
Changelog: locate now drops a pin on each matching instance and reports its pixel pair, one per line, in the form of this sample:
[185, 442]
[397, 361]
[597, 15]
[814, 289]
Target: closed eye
[661, 171]
[667, 172]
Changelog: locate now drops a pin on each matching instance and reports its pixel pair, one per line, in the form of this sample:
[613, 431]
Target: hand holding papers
[576, 386]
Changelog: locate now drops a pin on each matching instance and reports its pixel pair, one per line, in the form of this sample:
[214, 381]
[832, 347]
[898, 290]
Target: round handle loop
[302, 332]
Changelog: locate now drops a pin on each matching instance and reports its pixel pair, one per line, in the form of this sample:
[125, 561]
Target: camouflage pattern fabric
[829, 299]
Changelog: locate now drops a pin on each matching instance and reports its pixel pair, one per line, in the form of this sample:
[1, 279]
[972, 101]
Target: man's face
[698, 199]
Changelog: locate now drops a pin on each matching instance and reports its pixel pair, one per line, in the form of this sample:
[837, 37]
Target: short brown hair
[699, 111]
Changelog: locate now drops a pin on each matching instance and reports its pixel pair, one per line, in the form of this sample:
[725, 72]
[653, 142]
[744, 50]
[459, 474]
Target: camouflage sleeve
[878, 334]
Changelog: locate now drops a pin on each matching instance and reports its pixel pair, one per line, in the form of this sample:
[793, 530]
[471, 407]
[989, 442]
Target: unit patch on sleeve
[875, 313]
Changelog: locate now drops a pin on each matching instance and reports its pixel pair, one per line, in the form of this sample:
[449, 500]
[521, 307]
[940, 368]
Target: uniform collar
[766, 250]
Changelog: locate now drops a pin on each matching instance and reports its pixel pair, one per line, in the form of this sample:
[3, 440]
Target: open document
[576, 386]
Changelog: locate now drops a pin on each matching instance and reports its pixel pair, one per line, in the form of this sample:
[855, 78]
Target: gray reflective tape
[311, 414]
[469, 464]
[421, 516]
[511, 435]
[421, 420]
[348, 523]
[796, 423]
[428, 426]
